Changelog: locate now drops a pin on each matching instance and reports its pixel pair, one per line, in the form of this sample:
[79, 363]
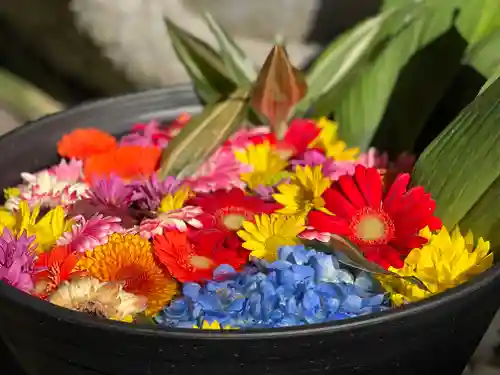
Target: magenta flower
[243, 138]
[17, 260]
[87, 234]
[220, 171]
[331, 168]
[111, 192]
[173, 220]
[146, 135]
[374, 159]
[147, 194]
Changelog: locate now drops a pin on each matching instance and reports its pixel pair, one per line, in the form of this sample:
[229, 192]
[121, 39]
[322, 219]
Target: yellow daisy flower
[172, 202]
[47, 230]
[328, 141]
[269, 233]
[268, 167]
[215, 325]
[304, 191]
[443, 263]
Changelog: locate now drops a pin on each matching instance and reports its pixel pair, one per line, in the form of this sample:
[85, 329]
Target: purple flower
[146, 135]
[111, 192]
[330, 167]
[17, 260]
[147, 194]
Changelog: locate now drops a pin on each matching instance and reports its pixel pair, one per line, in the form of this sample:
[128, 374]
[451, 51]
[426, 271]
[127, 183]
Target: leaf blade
[203, 135]
[484, 56]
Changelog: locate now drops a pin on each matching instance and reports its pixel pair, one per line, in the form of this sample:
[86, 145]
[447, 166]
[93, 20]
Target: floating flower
[71, 171]
[269, 233]
[331, 168]
[266, 163]
[87, 234]
[53, 267]
[84, 143]
[17, 260]
[300, 133]
[328, 142]
[302, 287]
[47, 230]
[146, 135]
[129, 259]
[443, 263]
[221, 171]
[385, 226]
[215, 325]
[103, 300]
[127, 162]
[245, 137]
[389, 171]
[304, 192]
[148, 193]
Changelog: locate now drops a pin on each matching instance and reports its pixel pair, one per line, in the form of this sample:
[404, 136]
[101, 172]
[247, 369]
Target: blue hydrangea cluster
[302, 287]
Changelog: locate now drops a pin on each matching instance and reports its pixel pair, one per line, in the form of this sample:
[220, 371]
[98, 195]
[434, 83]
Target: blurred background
[57, 53]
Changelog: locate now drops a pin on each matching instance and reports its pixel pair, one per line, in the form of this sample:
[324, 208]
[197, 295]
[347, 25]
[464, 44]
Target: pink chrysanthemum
[245, 137]
[71, 171]
[220, 171]
[147, 194]
[173, 220]
[87, 234]
[146, 135]
[17, 260]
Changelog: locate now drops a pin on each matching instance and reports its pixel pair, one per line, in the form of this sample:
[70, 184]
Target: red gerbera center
[371, 227]
[232, 218]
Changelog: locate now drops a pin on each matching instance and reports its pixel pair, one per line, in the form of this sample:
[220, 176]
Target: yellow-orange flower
[329, 142]
[129, 259]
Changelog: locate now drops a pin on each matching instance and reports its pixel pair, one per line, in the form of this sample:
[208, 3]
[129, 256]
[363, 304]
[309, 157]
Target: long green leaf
[203, 64]
[461, 167]
[340, 59]
[478, 19]
[361, 108]
[238, 64]
[491, 80]
[484, 56]
[203, 135]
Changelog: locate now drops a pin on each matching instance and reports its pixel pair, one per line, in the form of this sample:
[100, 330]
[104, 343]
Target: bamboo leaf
[203, 64]
[278, 88]
[349, 254]
[484, 56]
[203, 135]
[461, 167]
[240, 68]
[478, 19]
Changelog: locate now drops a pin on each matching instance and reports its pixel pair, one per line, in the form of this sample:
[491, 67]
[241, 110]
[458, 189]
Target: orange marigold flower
[129, 259]
[83, 143]
[127, 162]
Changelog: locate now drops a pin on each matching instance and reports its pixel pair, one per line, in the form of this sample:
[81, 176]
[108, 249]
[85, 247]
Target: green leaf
[240, 68]
[203, 135]
[360, 109]
[478, 19]
[491, 80]
[461, 167]
[484, 56]
[340, 59]
[203, 64]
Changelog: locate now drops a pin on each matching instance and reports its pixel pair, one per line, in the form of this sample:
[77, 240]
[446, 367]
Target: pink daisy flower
[172, 220]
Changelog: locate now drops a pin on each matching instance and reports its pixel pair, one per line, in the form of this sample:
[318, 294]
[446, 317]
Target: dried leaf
[349, 254]
[203, 135]
[278, 88]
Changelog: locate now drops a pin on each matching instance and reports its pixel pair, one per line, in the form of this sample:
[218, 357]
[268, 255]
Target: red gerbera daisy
[54, 267]
[188, 263]
[384, 226]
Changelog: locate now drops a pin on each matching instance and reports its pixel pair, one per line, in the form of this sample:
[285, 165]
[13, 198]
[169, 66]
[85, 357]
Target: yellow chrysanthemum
[129, 259]
[269, 233]
[175, 201]
[304, 191]
[47, 230]
[328, 141]
[268, 167]
[215, 325]
[443, 263]
[11, 192]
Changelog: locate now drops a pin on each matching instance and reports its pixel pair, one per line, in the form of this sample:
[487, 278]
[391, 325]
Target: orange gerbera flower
[127, 162]
[83, 143]
[129, 259]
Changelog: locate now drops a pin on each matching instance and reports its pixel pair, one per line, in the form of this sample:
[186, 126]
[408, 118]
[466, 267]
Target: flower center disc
[233, 221]
[200, 262]
[371, 227]
[273, 243]
[232, 218]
